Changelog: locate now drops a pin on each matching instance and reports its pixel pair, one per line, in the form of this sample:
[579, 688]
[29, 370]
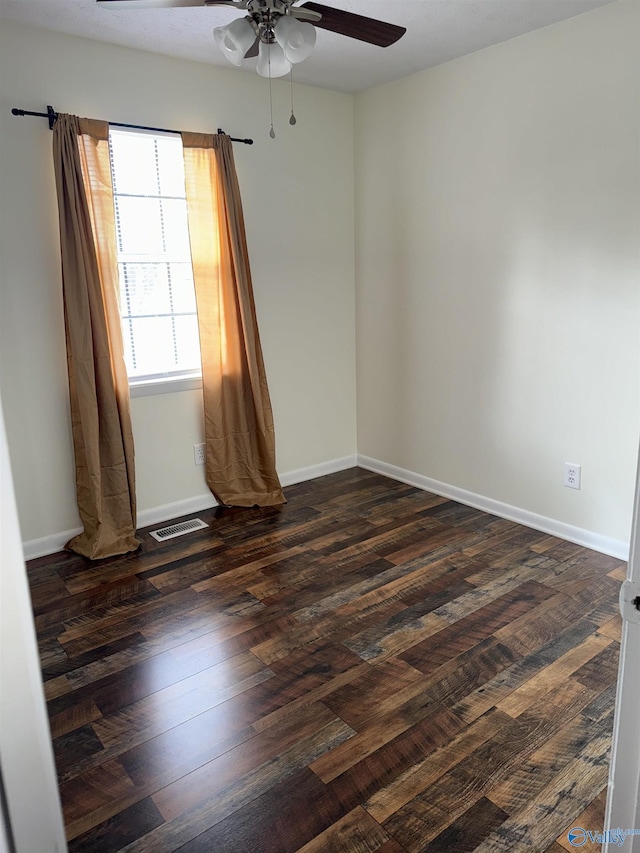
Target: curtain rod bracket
[52, 115]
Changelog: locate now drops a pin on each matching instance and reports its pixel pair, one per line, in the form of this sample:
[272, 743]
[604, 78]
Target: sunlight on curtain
[239, 431]
[98, 382]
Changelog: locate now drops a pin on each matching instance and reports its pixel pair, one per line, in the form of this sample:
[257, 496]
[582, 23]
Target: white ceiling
[437, 30]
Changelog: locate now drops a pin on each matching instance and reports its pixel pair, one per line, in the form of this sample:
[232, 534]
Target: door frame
[623, 800]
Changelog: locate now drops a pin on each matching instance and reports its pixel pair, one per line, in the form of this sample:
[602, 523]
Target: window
[157, 297]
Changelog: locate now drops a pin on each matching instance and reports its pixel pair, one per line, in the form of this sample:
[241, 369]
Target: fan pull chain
[272, 132]
[293, 119]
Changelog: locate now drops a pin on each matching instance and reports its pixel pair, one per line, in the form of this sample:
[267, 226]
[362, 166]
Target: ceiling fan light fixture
[235, 39]
[296, 38]
[271, 61]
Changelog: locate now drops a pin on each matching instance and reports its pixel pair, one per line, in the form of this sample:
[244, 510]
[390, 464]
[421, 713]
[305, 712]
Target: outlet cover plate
[572, 475]
[198, 454]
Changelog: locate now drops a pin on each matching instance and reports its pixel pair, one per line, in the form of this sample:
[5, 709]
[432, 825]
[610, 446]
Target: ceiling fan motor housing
[265, 14]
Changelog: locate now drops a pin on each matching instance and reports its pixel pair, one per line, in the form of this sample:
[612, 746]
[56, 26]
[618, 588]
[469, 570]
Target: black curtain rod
[52, 115]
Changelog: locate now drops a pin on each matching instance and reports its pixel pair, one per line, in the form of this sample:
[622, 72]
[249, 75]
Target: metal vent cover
[173, 530]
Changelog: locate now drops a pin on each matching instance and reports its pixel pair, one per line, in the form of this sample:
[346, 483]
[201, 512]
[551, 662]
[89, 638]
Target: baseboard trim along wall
[301, 475]
[605, 545]
[167, 512]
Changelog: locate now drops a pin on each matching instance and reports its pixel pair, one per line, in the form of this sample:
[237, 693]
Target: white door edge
[623, 801]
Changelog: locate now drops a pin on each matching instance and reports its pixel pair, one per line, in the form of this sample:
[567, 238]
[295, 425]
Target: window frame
[168, 382]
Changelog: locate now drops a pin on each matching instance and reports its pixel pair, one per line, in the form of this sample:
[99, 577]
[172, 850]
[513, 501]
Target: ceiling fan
[280, 32]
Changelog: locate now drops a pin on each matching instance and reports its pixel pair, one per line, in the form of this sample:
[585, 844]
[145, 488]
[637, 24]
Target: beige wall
[497, 264]
[298, 201]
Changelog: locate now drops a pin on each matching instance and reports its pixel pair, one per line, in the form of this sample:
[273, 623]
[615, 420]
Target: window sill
[165, 385]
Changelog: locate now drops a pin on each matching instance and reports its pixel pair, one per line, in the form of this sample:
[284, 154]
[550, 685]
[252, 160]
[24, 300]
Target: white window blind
[157, 298]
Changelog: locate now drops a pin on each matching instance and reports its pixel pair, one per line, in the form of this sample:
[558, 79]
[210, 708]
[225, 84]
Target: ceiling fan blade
[168, 4]
[356, 26]
[147, 4]
[254, 50]
[304, 14]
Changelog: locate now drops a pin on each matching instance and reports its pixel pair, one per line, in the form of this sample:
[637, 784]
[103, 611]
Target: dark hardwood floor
[368, 668]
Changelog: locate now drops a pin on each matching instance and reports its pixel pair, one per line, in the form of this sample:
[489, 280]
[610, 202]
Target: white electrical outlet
[572, 475]
[198, 454]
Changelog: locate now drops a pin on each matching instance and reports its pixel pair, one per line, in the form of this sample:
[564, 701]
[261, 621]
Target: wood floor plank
[129, 684]
[173, 705]
[89, 607]
[591, 820]
[487, 545]
[495, 585]
[389, 582]
[121, 830]
[79, 714]
[619, 573]
[600, 670]
[56, 687]
[603, 705]
[441, 582]
[194, 803]
[492, 692]
[80, 638]
[228, 768]
[95, 790]
[540, 625]
[376, 733]
[395, 635]
[414, 781]
[278, 647]
[389, 761]
[212, 804]
[356, 832]
[469, 630]
[429, 814]
[73, 747]
[123, 568]
[556, 674]
[368, 667]
[577, 784]
[612, 628]
[522, 787]
[216, 730]
[454, 680]
[377, 691]
[282, 820]
[466, 832]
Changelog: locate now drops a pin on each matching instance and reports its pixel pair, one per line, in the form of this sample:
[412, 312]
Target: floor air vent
[178, 529]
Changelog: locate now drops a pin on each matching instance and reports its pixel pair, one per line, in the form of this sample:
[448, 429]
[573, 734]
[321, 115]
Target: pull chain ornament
[272, 132]
[293, 119]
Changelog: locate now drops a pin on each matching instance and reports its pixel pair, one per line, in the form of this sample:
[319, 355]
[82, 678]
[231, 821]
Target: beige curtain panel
[239, 433]
[98, 383]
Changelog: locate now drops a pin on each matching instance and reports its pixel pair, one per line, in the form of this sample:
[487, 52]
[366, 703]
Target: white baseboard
[613, 547]
[176, 509]
[167, 512]
[301, 475]
[46, 545]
